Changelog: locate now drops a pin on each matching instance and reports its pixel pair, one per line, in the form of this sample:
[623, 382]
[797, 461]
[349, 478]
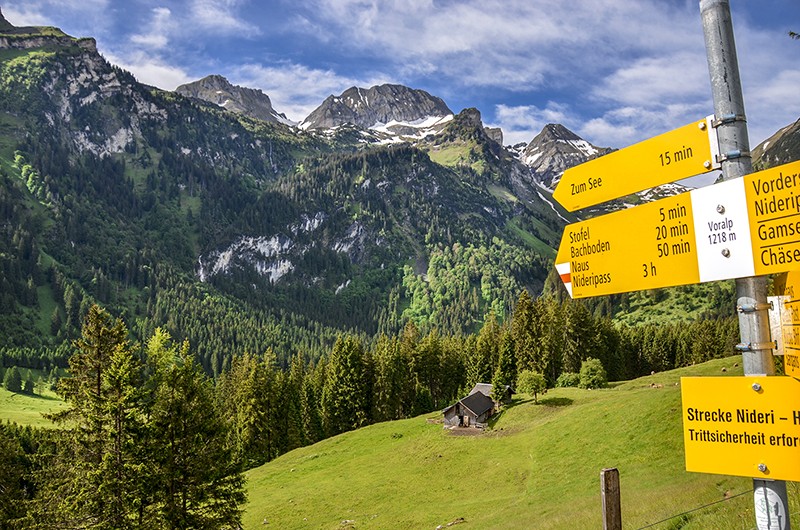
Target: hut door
[466, 421]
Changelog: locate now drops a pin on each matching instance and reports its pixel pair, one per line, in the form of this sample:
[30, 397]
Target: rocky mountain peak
[553, 132]
[378, 106]
[218, 90]
[470, 117]
[556, 149]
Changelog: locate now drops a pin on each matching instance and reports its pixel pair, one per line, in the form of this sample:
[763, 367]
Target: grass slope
[25, 409]
[538, 467]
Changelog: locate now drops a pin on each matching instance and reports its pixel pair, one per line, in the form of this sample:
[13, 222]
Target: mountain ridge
[152, 203]
[251, 102]
[378, 106]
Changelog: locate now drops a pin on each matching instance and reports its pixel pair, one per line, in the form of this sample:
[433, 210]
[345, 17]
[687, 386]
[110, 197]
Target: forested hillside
[238, 234]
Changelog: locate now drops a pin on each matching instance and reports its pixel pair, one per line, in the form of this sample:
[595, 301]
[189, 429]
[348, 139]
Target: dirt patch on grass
[465, 431]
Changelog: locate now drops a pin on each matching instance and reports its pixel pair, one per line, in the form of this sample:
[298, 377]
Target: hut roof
[477, 403]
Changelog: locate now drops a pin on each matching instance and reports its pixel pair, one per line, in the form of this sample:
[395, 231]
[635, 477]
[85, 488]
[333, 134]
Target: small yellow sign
[790, 323]
[650, 246]
[668, 157]
[745, 426]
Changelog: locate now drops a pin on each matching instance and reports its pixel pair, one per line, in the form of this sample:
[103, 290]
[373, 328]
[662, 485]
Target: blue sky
[614, 71]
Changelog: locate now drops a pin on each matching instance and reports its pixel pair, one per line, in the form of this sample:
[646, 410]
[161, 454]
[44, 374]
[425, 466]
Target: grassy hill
[27, 409]
[538, 467]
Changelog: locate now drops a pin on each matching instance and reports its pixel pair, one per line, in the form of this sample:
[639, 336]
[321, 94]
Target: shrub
[593, 375]
[568, 379]
[13, 380]
[530, 382]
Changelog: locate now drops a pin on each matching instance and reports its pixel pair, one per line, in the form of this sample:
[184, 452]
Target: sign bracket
[727, 118]
[751, 308]
[732, 155]
[756, 346]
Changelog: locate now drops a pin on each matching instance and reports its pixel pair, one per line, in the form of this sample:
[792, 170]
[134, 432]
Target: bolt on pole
[734, 148]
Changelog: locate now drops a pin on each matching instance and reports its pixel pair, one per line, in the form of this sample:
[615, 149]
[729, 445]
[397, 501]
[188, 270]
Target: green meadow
[25, 409]
[538, 466]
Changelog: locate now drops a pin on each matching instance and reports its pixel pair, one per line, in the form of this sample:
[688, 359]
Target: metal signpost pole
[751, 293]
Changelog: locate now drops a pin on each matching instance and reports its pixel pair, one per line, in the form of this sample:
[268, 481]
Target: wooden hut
[472, 411]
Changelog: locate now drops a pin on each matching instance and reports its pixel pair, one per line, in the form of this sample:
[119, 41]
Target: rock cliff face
[250, 102]
[27, 37]
[376, 107]
[555, 150]
[79, 84]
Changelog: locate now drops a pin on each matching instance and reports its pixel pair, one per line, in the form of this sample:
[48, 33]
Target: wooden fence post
[609, 491]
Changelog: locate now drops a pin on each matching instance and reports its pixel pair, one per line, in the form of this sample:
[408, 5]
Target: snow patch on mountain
[422, 123]
[548, 201]
[583, 146]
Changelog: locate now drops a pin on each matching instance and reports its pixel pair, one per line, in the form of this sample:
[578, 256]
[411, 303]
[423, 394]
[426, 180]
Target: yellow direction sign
[786, 331]
[687, 151]
[738, 228]
[744, 426]
[650, 246]
[773, 207]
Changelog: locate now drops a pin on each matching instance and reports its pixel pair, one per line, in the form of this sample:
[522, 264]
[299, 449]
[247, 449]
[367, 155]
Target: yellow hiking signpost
[786, 331]
[738, 228]
[684, 152]
[745, 426]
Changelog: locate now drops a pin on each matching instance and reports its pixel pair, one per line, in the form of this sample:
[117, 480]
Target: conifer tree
[310, 402]
[290, 403]
[12, 479]
[552, 338]
[94, 478]
[607, 340]
[12, 381]
[343, 396]
[481, 362]
[196, 482]
[579, 336]
[525, 330]
[451, 374]
[245, 393]
[506, 372]
[390, 379]
[425, 365]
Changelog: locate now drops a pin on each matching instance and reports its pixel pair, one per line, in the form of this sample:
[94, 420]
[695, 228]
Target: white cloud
[151, 70]
[28, 15]
[608, 133]
[220, 17]
[294, 89]
[160, 26]
[615, 72]
[522, 123]
[623, 126]
[513, 44]
[654, 81]
[47, 12]
[768, 61]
